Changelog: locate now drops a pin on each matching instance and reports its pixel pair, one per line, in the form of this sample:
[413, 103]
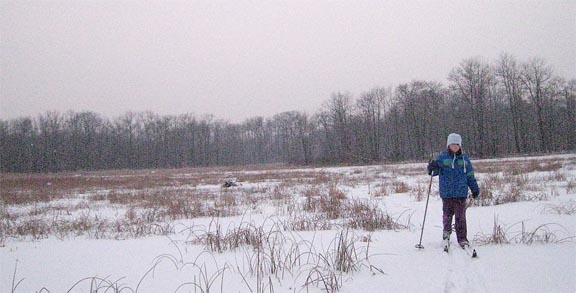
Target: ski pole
[419, 245]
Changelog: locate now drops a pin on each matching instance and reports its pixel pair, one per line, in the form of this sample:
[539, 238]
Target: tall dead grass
[564, 208]
[516, 183]
[544, 233]
[274, 253]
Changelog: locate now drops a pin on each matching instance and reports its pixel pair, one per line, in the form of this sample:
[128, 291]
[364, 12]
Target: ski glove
[434, 167]
[475, 194]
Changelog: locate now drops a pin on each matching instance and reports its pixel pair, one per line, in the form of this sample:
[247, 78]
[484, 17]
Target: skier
[456, 176]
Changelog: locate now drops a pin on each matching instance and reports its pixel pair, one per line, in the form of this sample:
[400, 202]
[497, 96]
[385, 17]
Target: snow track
[463, 273]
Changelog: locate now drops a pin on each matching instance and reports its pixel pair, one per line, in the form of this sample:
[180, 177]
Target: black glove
[434, 167]
[475, 194]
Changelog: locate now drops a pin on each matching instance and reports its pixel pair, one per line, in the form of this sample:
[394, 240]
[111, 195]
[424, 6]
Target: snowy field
[348, 229]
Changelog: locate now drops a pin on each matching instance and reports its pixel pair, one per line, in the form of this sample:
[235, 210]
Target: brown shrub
[400, 187]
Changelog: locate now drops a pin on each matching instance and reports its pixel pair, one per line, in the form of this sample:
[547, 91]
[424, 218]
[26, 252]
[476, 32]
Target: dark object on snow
[230, 182]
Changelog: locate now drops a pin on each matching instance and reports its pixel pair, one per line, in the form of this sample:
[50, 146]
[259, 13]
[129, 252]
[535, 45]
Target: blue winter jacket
[456, 175]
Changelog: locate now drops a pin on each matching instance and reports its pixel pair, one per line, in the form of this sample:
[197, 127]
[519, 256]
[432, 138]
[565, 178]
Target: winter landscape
[287, 229]
[283, 146]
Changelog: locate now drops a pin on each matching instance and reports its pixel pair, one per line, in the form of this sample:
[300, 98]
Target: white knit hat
[454, 138]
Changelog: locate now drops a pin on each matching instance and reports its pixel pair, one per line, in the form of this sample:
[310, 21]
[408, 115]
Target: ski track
[449, 285]
[463, 273]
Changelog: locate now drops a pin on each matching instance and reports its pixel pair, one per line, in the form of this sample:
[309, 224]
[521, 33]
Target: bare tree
[570, 96]
[472, 80]
[339, 108]
[371, 107]
[51, 140]
[255, 135]
[394, 137]
[18, 145]
[83, 141]
[421, 104]
[292, 136]
[304, 132]
[125, 146]
[537, 77]
[509, 73]
[6, 146]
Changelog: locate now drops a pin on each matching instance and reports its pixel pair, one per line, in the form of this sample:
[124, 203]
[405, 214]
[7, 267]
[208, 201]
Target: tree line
[502, 107]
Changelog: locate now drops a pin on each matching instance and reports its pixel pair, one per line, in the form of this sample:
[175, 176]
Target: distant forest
[504, 107]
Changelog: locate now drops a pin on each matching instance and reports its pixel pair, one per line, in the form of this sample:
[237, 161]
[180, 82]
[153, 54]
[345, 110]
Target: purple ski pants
[455, 207]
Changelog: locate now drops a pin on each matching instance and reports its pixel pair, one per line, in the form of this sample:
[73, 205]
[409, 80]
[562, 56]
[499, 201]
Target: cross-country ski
[469, 250]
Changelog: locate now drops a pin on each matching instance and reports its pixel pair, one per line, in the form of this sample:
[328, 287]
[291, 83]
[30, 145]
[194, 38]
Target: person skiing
[456, 176]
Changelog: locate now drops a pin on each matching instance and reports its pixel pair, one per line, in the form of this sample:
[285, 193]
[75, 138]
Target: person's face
[454, 147]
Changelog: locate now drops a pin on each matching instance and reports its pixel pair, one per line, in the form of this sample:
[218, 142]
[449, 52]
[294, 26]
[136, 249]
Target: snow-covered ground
[537, 253]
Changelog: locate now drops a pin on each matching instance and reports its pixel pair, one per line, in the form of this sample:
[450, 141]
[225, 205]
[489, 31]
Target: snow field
[386, 260]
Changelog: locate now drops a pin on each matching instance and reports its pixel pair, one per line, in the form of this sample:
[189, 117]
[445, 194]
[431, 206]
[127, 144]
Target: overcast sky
[238, 59]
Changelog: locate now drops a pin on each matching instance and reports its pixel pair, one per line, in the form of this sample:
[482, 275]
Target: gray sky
[238, 59]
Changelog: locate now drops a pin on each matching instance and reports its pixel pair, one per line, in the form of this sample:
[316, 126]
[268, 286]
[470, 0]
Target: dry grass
[67, 204]
[565, 208]
[28, 188]
[571, 186]
[274, 253]
[420, 192]
[515, 181]
[400, 187]
[328, 201]
[367, 216]
[148, 212]
[380, 190]
[498, 235]
[518, 166]
[149, 202]
[308, 222]
[545, 233]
